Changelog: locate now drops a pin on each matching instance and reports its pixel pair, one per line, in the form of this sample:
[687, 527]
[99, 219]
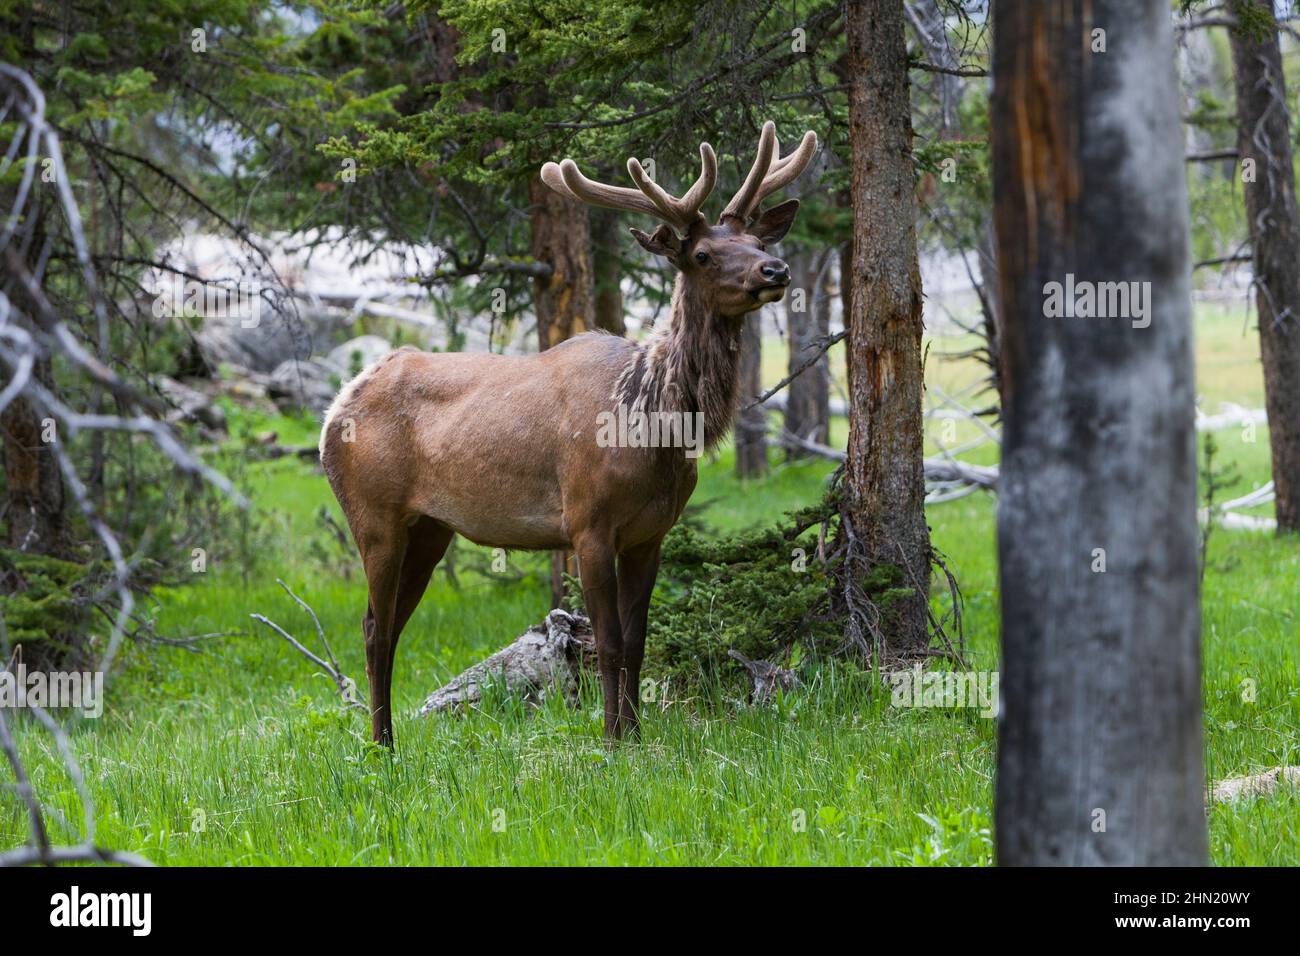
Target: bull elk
[505, 450]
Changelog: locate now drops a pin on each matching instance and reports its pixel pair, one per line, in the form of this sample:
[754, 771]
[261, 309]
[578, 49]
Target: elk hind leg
[427, 542]
[382, 554]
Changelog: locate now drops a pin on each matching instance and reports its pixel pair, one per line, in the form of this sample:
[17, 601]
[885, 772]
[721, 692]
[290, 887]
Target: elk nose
[775, 271]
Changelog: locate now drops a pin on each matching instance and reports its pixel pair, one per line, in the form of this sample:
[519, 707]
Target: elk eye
[701, 257]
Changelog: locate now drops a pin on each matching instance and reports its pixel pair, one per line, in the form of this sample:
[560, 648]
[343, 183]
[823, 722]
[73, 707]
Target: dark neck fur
[688, 364]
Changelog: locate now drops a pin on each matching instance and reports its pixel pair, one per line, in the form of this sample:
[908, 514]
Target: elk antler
[769, 173]
[649, 197]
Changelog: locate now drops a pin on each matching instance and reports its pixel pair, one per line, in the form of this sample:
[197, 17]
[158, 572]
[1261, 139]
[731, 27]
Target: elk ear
[774, 223]
[663, 242]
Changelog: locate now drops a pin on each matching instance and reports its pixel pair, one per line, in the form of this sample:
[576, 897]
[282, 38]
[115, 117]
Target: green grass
[241, 755]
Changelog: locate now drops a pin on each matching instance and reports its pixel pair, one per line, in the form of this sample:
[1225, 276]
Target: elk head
[725, 265]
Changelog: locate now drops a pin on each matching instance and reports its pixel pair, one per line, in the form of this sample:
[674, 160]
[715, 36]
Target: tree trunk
[1099, 750]
[605, 239]
[808, 400]
[885, 481]
[751, 425]
[35, 506]
[564, 301]
[561, 237]
[1263, 138]
[986, 253]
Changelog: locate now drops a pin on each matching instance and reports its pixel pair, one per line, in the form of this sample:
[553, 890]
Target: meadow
[238, 752]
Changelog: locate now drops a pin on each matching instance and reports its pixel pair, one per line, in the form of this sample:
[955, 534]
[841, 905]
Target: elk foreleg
[637, 570]
[596, 568]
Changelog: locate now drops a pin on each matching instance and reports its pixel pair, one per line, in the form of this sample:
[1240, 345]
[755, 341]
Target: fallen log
[546, 658]
[936, 469]
[1255, 784]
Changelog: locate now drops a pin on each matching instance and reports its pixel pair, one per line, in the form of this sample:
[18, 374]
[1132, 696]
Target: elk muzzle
[769, 280]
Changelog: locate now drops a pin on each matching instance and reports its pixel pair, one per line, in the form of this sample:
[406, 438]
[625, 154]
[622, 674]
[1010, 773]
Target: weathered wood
[765, 678]
[1255, 784]
[545, 659]
[1100, 746]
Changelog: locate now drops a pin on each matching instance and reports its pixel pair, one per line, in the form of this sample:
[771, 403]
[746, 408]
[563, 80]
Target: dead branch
[949, 70]
[1255, 784]
[936, 469]
[34, 332]
[819, 346]
[765, 678]
[38, 849]
[347, 687]
[1221, 261]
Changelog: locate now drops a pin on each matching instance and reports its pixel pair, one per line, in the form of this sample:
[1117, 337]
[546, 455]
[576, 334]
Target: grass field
[240, 754]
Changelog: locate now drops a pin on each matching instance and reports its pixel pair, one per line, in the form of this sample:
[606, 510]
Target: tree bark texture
[606, 236]
[565, 301]
[884, 476]
[1264, 140]
[1100, 750]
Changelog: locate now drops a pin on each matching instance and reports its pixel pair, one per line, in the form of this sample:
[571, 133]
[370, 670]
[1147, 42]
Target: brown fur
[503, 450]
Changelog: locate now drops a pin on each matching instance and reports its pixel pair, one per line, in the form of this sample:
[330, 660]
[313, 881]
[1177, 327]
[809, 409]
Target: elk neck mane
[688, 364]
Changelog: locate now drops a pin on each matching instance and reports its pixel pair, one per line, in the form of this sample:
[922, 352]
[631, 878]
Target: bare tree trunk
[808, 400]
[751, 425]
[929, 22]
[1264, 141]
[564, 301]
[1099, 751]
[885, 479]
[606, 235]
